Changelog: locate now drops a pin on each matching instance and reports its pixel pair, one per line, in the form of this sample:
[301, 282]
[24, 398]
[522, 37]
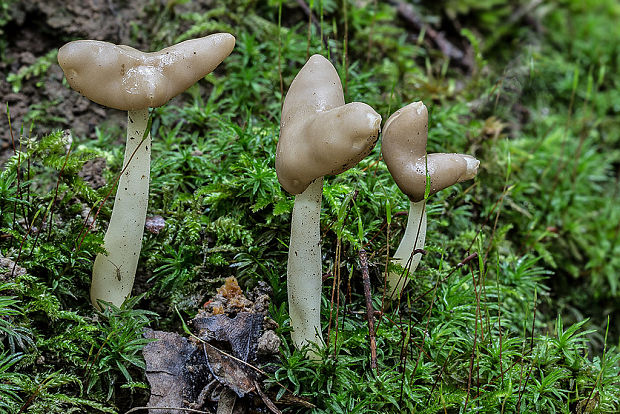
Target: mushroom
[403, 146]
[319, 135]
[124, 78]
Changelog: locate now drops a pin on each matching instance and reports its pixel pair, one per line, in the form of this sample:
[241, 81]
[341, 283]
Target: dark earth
[38, 26]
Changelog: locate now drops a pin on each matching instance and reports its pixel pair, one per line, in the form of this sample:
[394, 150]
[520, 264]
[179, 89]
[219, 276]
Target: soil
[37, 26]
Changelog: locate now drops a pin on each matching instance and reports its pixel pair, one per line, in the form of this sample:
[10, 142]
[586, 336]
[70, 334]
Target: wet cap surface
[125, 78]
[319, 134]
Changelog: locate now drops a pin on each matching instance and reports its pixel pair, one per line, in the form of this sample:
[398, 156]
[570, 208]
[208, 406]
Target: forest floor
[514, 307]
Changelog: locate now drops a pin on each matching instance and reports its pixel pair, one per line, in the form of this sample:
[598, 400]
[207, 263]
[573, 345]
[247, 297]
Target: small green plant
[11, 333]
[9, 380]
[37, 70]
[116, 349]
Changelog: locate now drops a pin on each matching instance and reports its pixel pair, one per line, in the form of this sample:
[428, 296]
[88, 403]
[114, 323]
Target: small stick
[369, 310]
[272, 407]
[407, 12]
[189, 410]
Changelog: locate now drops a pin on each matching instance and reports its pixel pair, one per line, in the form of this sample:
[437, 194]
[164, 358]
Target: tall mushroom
[403, 145]
[319, 135]
[124, 78]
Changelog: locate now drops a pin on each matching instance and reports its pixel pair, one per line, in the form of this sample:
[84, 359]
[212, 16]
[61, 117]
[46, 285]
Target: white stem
[304, 273]
[113, 274]
[415, 234]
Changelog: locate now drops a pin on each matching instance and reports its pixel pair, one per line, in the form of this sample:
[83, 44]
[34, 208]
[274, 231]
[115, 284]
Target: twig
[407, 12]
[369, 309]
[266, 399]
[33, 396]
[189, 410]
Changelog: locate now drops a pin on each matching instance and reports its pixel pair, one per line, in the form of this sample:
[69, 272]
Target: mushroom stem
[304, 276]
[113, 274]
[413, 239]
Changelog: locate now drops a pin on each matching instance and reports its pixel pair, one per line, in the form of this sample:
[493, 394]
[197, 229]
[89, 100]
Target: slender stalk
[413, 239]
[304, 267]
[335, 284]
[114, 273]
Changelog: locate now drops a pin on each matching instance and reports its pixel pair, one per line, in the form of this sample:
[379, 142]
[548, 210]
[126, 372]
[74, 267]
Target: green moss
[522, 327]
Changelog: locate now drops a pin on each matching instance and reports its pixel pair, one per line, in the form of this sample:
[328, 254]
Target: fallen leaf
[228, 371]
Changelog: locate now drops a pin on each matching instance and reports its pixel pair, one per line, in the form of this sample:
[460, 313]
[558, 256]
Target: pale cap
[403, 145]
[121, 77]
[319, 134]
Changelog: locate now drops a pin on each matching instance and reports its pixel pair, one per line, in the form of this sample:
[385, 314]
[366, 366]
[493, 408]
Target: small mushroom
[124, 78]
[403, 145]
[319, 135]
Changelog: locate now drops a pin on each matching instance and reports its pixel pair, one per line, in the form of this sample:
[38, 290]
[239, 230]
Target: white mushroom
[124, 78]
[319, 135]
[403, 146]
